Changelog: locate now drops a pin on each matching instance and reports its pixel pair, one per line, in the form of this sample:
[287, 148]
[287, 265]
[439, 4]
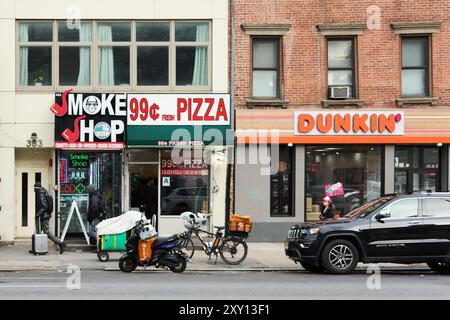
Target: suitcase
[39, 242]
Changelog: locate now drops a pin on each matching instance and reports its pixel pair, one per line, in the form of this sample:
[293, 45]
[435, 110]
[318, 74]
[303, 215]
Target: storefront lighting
[290, 144]
[323, 153]
[439, 144]
[337, 153]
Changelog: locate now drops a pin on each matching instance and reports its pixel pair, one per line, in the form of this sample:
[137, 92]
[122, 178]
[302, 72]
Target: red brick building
[339, 62]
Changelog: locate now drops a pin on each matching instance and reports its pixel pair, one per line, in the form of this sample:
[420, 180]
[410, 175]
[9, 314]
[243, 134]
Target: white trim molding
[338, 29]
[266, 29]
[415, 27]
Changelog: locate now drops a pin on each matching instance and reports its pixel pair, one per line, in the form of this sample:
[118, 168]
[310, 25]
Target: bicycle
[228, 247]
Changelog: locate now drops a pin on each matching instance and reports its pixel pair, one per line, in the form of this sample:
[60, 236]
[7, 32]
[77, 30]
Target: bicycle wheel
[233, 251]
[188, 245]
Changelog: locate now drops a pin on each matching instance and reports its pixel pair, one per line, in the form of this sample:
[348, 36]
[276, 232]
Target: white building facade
[142, 48]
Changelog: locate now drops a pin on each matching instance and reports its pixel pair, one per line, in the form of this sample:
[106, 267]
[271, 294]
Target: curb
[63, 268]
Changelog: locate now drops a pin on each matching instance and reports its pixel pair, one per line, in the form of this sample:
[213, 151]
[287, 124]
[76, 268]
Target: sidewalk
[261, 257]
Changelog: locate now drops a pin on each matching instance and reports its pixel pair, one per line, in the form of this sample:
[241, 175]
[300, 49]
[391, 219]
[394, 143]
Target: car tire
[312, 268]
[440, 267]
[339, 256]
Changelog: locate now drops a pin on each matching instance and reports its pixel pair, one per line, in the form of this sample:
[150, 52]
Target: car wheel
[441, 267]
[339, 256]
[312, 268]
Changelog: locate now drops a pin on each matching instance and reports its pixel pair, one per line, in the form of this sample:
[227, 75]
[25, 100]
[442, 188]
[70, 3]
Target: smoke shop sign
[376, 123]
[89, 121]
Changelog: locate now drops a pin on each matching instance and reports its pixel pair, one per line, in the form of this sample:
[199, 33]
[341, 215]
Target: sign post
[74, 207]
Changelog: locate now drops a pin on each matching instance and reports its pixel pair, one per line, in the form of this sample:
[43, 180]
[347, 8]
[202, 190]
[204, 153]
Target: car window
[405, 208]
[438, 207]
[368, 208]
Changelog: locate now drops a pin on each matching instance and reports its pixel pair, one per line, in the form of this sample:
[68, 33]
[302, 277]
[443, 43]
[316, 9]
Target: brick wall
[304, 74]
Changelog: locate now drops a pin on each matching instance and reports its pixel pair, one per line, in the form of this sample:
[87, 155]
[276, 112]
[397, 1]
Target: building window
[184, 184]
[191, 43]
[74, 51]
[341, 64]
[153, 39]
[350, 174]
[128, 54]
[35, 54]
[266, 67]
[415, 65]
[281, 185]
[79, 169]
[114, 42]
[416, 169]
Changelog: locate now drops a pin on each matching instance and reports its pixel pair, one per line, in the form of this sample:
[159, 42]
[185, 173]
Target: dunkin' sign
[356, 123]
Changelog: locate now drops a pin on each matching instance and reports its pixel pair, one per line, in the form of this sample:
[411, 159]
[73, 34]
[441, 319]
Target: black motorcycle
[167, 252]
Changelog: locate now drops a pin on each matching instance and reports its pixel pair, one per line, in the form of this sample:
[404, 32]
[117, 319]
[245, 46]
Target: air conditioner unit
[339, 92]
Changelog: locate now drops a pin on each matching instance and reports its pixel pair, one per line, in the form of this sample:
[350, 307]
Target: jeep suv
[412, 228]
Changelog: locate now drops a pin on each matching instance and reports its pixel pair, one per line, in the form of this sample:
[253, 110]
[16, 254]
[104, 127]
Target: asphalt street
[222, 285]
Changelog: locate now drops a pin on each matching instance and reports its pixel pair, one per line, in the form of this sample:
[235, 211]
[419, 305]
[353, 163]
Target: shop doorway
[144, 189]
[26, 177]
[417, 169]
[415, 180]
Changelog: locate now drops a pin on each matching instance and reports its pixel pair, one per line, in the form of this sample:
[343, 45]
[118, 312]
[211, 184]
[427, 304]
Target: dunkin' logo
[349, 123]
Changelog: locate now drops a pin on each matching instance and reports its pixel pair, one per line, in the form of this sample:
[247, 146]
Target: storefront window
[281, 185]
[351, 175]
[79, 169]
[184, 184]
[416, 169]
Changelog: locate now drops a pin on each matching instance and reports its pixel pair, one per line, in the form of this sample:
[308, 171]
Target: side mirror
[383, 214]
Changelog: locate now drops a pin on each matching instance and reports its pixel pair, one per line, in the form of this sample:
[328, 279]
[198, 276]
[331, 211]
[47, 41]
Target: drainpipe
[231, 150]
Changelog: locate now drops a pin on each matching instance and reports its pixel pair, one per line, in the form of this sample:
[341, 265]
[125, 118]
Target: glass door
[144, 188]
[26, 201]
[424, 180]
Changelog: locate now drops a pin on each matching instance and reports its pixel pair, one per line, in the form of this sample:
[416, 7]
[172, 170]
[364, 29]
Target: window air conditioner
[339, 92]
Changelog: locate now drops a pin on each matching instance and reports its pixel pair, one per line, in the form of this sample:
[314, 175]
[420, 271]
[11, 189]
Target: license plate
[286, 245]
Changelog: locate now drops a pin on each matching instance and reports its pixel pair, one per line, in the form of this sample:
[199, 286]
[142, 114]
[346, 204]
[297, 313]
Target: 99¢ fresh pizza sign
[176, 109]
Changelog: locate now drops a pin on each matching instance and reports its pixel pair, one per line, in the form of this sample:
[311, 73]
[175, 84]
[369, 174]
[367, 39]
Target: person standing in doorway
[44, 209]
[327, 211]
[96, 213]
[149, 198]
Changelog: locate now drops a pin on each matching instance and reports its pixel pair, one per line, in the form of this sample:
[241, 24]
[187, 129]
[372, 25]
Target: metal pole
[230, 151]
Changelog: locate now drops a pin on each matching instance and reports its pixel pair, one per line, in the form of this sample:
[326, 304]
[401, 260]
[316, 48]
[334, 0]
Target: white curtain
[85, 56]
[23, 54]
[106, 57]
[200, 77]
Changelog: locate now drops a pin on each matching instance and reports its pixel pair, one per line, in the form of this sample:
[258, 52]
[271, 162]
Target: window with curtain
[35, 53]
[191, 41]
[74, 54]
[152, 41]
[266, 67]
[341, 64]
[101, 54]
[114, 42]
[415, 65]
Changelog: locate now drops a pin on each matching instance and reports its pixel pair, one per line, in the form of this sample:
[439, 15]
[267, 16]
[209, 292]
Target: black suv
[412, 228]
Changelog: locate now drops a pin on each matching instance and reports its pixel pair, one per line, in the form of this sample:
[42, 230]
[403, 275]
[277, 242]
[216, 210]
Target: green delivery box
[114, 242]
